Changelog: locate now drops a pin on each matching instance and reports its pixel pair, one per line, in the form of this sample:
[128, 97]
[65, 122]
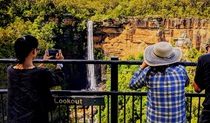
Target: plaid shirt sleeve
[138, 79]
[186, 78]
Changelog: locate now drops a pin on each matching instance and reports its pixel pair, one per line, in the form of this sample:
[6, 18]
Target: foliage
[102, 9]
[43, 32]
[21, 17]
[125, 72]
[165, 8]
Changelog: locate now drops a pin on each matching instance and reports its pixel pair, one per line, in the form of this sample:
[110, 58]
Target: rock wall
[130, 36]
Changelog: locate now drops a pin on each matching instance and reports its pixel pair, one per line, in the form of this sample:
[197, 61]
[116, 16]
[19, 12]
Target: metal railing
[101, 113]
[113, 110]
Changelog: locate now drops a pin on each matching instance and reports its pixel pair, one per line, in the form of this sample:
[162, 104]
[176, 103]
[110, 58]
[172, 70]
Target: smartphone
[53, 52]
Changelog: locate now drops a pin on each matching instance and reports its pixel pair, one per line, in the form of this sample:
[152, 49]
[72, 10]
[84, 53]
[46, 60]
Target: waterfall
[90, 67]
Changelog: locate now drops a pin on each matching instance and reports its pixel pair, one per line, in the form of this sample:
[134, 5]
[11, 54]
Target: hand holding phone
[52, 53]
[59, 55]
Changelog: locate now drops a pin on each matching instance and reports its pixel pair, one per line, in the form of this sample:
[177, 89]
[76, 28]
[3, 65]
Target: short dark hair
[23, 46]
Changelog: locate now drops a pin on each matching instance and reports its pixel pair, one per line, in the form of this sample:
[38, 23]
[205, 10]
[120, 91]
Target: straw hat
[162, 53]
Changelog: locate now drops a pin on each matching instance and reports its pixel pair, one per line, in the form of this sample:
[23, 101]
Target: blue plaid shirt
[166, 95]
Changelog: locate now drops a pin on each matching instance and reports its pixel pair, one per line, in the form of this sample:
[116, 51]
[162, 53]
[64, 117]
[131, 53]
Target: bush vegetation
[21, 17]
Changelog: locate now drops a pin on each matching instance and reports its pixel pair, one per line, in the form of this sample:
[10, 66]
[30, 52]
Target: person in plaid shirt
[165, 80]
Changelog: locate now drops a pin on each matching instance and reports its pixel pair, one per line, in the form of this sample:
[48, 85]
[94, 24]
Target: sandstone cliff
[130, 36]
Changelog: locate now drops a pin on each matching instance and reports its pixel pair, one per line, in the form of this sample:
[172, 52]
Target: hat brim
[152, 60]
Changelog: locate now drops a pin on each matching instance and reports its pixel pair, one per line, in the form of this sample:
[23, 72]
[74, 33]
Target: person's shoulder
[9, 68]
[41, 69]
[204, 56]
[178, 66]
[181, 66]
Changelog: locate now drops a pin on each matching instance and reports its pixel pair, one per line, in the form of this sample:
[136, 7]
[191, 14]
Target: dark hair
[23, 46]
[207, 47]
[158, 69]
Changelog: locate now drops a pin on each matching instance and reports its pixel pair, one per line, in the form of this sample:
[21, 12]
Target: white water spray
[90, 67]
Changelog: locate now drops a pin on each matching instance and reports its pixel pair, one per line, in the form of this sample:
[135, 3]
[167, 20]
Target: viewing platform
[110, 106]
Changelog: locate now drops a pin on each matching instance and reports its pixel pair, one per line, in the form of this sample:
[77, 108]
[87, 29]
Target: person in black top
[29, 96]
[202, 82]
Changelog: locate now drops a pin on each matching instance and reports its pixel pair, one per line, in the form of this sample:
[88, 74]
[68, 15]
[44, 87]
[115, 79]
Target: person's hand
[196, 88]
[45, 57]
[143, 65]
[59, 55]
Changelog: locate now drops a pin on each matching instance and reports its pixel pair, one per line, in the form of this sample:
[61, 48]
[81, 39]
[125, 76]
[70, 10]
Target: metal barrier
[105, 108]
[91, 111]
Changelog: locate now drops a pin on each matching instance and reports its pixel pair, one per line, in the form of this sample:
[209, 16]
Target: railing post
[114, 87]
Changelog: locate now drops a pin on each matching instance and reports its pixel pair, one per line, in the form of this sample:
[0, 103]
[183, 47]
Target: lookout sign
[79, 100]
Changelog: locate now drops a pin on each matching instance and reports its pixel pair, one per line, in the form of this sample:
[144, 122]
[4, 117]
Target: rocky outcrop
[130, 36]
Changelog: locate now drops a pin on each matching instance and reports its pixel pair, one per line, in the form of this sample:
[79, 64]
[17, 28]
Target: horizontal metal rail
[69, 92]
[111, 96]
[82, 61]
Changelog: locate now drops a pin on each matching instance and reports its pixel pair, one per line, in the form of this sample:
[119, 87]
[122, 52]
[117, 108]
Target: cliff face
[130, 36]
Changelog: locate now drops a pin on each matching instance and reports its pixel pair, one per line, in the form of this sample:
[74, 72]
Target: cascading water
[90, 67]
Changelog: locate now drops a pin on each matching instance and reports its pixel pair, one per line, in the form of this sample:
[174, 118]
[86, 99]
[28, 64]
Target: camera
[53, 52]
